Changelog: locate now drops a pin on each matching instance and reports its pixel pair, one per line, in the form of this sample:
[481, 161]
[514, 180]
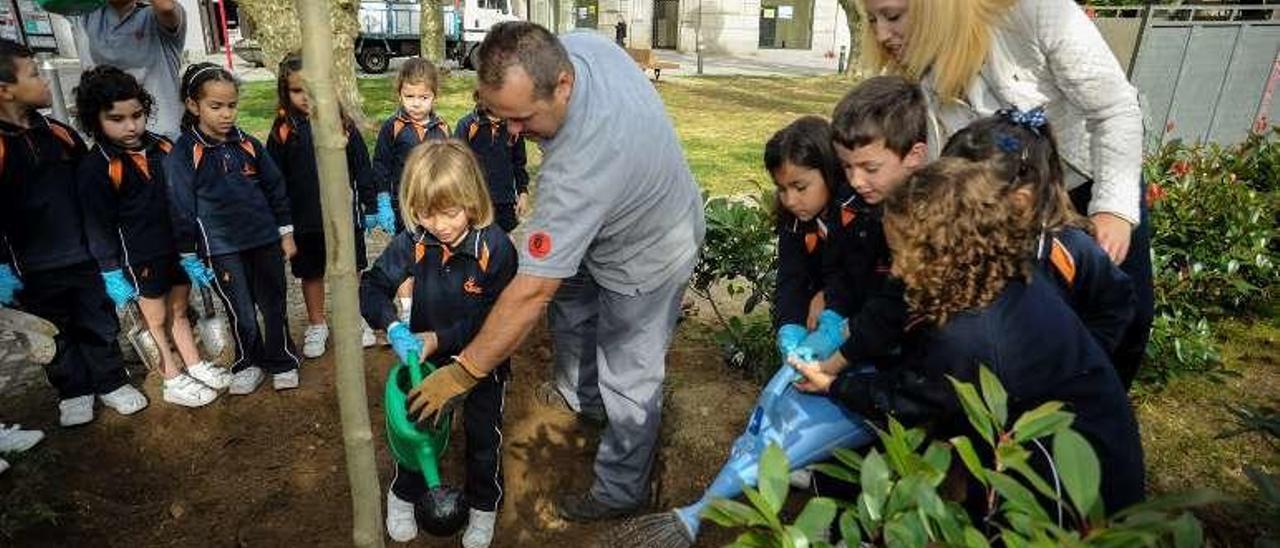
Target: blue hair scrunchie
[1034, 119]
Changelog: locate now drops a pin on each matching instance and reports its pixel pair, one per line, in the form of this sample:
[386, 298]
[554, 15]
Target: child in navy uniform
[44, 247]
[503, 157]
[414, 123]
[290, 145]
[229, 203]
[1021, 149]
[126, 215]
[959, 245]
[460, 262]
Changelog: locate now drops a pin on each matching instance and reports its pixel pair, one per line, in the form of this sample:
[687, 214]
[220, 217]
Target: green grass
[723, 122]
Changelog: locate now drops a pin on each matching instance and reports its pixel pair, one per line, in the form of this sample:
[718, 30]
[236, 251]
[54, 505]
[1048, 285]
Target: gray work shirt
[140, 45]
[614, 191]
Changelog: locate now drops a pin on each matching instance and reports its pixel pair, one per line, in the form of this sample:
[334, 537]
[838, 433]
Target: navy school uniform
[1101, 294]
[398, 136]
[126, 213]
[228, 202]
[502, 156]
[290, 145]
[43, 239]
[801, 245]
[454, 290]
[856, 279]
[1038, 348]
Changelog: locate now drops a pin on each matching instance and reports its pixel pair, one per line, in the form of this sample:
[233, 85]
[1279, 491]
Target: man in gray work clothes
[144, 39]
[615, 233]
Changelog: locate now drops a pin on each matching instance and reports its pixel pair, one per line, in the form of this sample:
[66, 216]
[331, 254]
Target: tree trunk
[340, 265]
[432, 32]
[853, 18]
[276, 28]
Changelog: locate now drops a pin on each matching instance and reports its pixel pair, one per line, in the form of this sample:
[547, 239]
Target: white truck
[394, 29]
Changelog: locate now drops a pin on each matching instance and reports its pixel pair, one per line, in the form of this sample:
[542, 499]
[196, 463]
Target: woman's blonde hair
[949, 37]
[956, 238]
[443, 174]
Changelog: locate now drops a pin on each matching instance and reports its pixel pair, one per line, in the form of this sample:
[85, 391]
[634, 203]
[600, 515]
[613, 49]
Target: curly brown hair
[956, 238]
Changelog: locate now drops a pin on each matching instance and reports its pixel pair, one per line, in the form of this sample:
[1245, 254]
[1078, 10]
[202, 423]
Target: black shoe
[585, 507]
[547, 396]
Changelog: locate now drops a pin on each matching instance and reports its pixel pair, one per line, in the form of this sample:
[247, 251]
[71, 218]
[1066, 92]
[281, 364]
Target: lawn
[723, 122]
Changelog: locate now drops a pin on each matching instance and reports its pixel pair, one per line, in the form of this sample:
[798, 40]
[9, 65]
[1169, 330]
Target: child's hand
[522, 204]
[816, 306]
[430, 343]
[815, 381]
[286, 244]
[834, 364]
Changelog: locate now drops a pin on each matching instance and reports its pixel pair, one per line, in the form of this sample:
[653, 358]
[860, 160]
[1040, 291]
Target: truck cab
[394, 29]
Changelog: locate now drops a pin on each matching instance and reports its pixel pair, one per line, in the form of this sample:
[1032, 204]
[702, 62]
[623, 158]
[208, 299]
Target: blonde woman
[975, 57]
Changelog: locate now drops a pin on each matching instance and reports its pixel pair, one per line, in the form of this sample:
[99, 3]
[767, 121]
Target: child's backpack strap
[283, 131]
[115, 172]
[248, 148]
[1063, 263]
[4, 149]
[197, 154]
[63, 135]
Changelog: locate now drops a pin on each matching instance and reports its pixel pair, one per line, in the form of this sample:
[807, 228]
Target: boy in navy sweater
[502, 156]
[44, 251]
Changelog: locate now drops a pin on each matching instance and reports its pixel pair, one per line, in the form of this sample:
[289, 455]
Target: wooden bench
[648, 60]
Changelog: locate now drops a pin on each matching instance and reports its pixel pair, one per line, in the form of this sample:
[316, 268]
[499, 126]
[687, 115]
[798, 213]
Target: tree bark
[340, 266]
[277, 30]
[853, 18]
[432, 32]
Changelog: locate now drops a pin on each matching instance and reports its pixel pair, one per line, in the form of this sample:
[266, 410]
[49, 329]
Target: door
[666, 24]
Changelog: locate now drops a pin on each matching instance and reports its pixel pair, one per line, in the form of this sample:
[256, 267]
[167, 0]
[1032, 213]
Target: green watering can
[441, 512]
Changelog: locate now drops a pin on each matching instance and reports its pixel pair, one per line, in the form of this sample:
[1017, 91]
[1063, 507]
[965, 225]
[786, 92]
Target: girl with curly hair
[1021, 149]
[959, 245]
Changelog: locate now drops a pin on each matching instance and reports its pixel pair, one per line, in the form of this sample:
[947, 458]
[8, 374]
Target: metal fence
[1205, 73]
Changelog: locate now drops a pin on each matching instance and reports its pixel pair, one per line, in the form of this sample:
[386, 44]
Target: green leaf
[753, 539]
[974, 410]
[793, 537]
[836, 471]
[1041, 421]
[895, 448]
[993, 393]
[906, 530]
[1187, 532]
[1023, 469]
[815, 520]
[733, 514]
[974, 539]
[875, 483]
[1167, 503]
[969, 457]
[1016, 496]
[849, 530]
[773, 477]
[850, 458]
[1078, 467]
[765, 511]
[938, 458]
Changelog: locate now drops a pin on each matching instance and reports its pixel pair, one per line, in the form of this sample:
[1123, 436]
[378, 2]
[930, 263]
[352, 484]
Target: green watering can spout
[417, 447]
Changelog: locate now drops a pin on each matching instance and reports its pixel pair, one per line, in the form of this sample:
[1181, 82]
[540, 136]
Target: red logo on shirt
[539, 244]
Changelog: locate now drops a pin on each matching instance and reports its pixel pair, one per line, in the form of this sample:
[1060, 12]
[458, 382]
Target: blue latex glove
[9, 284]
[404, 342]
[386, 217]
[370, 223]
[824, 340]
[119, 288]
[200, 274]
[789, 337]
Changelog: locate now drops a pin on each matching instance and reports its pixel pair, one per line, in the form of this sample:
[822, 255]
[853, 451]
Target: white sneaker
[188, 392]
[126, 400]
[246, 381]
[314, 339]
[479, 529]
[217, 378]
[367, 338]
[285, 381]
[4, 465]
[401, 525]
[801, 478]
[13, 439]
[75, 411]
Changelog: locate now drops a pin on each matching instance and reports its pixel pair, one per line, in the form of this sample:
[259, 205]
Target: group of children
[142, 218]
[896, 273]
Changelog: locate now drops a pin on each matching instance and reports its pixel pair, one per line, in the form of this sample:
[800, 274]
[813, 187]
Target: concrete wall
[728, 26]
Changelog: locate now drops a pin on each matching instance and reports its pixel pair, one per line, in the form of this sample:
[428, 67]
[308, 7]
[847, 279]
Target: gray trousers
[610, 360]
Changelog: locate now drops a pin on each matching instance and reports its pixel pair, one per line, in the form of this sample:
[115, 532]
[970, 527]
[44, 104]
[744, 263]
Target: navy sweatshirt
[501, 155]
[856, 279]
[1100, 293]
[291, 147]
[40, 221]
[125, 202]
[225, 197]
[453, 289]
[801, 246]
[398, 136]
[1039, 349]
